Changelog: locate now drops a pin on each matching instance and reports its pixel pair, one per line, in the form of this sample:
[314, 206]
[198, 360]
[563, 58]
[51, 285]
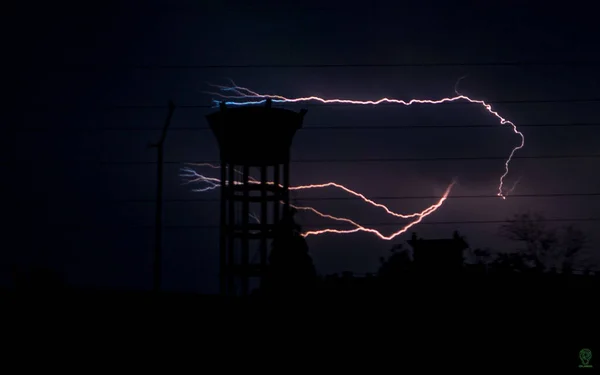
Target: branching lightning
[241, 96]
[359, 228]
[193, 176]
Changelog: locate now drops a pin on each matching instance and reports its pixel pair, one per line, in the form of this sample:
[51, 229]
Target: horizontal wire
[373, 224]
[307, 105]
[317, 66]
[371, 160]
[550, 195]
[316, 127]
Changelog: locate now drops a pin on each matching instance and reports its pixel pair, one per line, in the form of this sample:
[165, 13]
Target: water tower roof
[253, 135]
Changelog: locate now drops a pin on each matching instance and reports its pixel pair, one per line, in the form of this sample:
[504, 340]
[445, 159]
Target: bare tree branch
[545, 247]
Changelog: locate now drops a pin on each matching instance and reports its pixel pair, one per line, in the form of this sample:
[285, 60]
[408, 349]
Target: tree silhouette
[543, 248]
[511, 262]
[399, 264]
[481, 259]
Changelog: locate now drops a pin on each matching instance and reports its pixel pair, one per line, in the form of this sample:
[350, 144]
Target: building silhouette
[438, 256]
[253, 140]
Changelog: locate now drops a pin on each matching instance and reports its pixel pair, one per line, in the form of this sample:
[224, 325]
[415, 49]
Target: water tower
[254, 143]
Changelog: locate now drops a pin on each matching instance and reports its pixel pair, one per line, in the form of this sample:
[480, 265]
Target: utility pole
[157, 275]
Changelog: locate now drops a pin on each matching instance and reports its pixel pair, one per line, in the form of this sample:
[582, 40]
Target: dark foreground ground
[409, 324]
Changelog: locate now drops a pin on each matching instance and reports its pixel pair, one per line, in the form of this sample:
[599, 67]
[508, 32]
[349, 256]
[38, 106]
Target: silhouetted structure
[438, 256]
[291, 271]
[251, 137]
[398, 266]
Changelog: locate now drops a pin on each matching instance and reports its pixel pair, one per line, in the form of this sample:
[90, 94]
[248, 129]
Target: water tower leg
[277, 207]
[223, 233]
[286, 185]
[230, 232]
[245, 232]
[263, 220]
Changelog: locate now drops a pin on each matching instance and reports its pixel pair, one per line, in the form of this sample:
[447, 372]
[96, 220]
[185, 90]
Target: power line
[381, 198]
[320, 127]
[372, 224]
[361, 160]
[308, 105]
[76, 67]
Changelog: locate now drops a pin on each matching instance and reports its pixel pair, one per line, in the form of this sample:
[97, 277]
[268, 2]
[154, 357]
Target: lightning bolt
[194, 177]
[236, 93]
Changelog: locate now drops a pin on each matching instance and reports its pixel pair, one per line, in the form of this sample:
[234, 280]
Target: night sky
[83, 185]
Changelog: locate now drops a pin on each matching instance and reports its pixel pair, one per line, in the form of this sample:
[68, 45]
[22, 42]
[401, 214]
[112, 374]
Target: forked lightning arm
[193, 176]
[236, 93]
[240, 96]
